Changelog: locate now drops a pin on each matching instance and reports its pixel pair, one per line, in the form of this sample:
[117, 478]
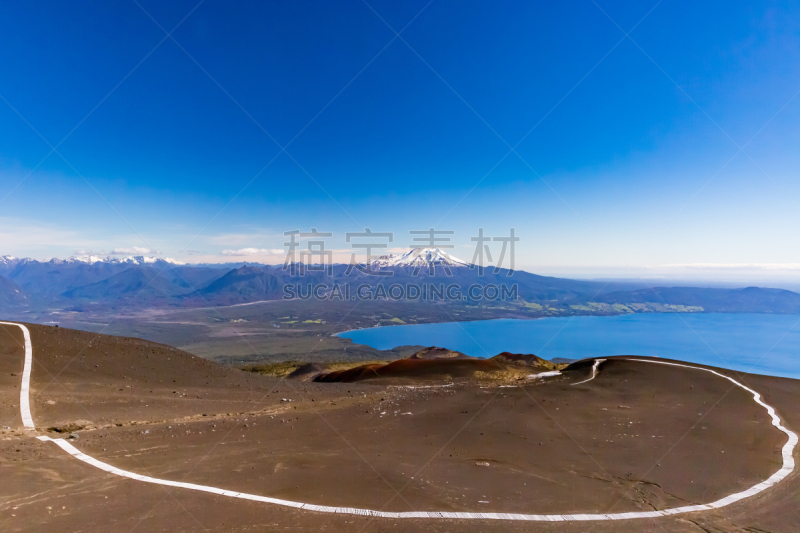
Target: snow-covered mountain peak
[129, 260]
[419, 257]
[90, 259]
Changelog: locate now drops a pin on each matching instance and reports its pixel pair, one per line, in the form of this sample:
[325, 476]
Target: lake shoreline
[747, 342]
[447, 322]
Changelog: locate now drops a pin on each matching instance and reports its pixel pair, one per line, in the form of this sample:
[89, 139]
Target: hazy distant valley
[239, 314]
[93, 284]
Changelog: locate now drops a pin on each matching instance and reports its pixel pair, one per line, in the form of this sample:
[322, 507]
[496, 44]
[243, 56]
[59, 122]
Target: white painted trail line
[594, 370]
[25, 388]
[542, 375]
[786, 469]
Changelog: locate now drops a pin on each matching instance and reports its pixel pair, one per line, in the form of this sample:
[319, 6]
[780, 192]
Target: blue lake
[757, 343]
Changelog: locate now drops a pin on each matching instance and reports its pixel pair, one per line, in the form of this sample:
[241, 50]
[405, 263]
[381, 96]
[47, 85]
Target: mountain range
[86, 282]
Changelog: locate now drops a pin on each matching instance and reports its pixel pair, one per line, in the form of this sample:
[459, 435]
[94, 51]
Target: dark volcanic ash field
[638, 437]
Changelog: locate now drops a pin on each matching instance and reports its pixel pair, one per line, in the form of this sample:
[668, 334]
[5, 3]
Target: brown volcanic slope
[434, 352]
[638, 436]
[523, 359]
[440, 363]
[413, 369]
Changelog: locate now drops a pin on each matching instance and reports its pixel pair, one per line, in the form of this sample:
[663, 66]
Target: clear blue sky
[626, 149]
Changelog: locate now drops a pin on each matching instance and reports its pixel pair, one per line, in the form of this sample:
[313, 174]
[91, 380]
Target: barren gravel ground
[638, 437]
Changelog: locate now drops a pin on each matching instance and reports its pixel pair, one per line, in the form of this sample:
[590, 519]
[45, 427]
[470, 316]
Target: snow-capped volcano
[418, 257]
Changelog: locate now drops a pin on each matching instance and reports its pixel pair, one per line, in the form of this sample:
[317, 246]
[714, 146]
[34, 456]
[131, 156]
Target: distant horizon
[713, 278]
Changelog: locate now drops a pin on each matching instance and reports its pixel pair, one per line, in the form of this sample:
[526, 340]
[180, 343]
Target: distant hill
[11, 294]
[89, 282]
[750, 299]
[59, 282]
[246, 282]
[50, 279]
[146, 283]
[250, 283]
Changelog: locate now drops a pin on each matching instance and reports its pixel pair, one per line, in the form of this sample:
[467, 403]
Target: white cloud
[136, 250]
[252, 251]
[240, 239]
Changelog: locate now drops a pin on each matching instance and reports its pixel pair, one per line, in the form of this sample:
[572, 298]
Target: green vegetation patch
[683, 308]
[277, 370]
